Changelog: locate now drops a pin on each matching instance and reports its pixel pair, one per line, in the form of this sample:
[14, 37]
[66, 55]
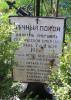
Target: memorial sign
[43, 38]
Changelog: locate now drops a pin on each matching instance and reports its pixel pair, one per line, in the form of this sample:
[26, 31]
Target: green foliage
[7, 49]
[3, 6]
[61, 79]
[21, 2]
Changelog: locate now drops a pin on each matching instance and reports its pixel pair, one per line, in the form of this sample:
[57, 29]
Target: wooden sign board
[43, 39]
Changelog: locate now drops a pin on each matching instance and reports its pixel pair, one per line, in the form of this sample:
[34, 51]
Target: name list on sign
[39, 51]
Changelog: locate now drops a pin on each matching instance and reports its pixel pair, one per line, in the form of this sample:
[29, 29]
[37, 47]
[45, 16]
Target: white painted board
[43, 39]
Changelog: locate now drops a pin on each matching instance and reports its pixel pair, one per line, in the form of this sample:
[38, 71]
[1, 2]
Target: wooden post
[51, 6]
[34, 7]
[37, 7]
[57, 7]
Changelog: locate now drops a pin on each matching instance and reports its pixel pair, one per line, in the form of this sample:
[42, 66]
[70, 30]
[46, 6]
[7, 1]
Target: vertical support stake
[37, 7]
[57, 8]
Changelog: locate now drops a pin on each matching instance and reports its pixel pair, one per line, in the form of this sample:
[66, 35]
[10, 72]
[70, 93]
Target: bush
[7, 49]
[60, 80]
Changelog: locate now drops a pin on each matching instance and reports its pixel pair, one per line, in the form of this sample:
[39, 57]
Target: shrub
[60, 80]
[7, 49]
